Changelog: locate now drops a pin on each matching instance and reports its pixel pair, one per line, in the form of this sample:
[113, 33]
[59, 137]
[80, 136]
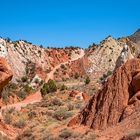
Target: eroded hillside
[98, 87]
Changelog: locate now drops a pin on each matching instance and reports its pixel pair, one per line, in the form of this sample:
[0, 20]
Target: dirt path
[36, 97]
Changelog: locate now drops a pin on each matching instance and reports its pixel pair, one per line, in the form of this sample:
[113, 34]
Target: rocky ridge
[21, 53]
[116, 101]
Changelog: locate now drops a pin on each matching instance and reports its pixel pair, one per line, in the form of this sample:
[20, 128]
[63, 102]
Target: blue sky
[62, 23]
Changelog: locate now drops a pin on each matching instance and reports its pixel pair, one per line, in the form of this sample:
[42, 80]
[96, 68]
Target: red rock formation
[79, 95]
[108, 106]
[5, 73]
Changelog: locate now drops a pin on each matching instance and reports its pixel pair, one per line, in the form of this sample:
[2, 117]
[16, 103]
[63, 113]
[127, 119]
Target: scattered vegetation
[8, 91]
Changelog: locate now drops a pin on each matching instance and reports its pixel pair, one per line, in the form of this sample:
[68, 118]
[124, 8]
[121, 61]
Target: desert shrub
[21, 94]
[62, 114]
[87, 80]
[63, 87]
[56, 101]
[48, 70]
[36, 80]
[41, 82]
[48, 87]
[105, 76]
[62, 66]
[70, 106]
[49, 136]
[31, 114]
[5, 95]
[27, 134]
[65, 134]
[24, 79]
[52, 85]
[76, 76]
[8, 39]
[109, 73]
[63, 79]
[91, 137]
[8, 91]
[132, 135]
[20, 123]
[28, 89]
[41, 46]
[79, 105]
[13, 86]
[11, 110]
[7, 118]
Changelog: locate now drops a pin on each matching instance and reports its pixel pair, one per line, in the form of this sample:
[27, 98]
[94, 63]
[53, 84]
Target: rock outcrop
[5, 73]
[20, 54]
[103, 57]
[124, 56]
[112, 104]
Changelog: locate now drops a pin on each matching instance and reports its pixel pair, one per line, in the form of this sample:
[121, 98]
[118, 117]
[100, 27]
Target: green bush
[56, 101]
[21, 94]
[28, 89]
[65, 134]
[87, 80]
[63, 87]
[62, 114]
[45, 89]
[24, 79]
[109, 73]
[48, 87]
